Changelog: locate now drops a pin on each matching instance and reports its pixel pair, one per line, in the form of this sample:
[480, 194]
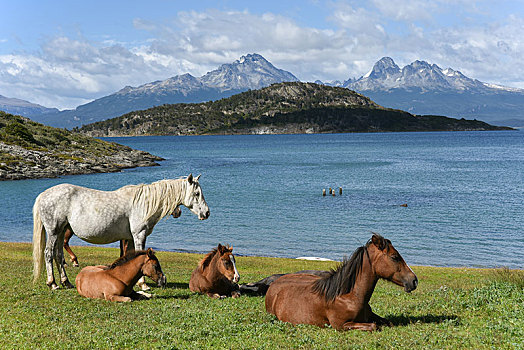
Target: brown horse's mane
[207, 259]
[130, 255]
[341, 280]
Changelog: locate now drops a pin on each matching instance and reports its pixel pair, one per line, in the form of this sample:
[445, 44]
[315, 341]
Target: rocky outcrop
[20, 163]
[29, 150]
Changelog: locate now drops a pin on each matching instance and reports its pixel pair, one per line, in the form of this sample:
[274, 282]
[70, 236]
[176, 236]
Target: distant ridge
[22, 107]
[424, 88]
[280, 108]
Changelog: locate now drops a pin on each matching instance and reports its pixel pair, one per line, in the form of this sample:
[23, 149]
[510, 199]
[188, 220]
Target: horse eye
[396, 258]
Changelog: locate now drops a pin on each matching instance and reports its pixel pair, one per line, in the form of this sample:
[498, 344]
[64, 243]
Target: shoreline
[254, 132]
[182, 251]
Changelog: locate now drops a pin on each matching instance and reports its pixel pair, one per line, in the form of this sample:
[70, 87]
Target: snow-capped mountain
[22, 107]
[419, 74]
[249, 72]
[424, 88]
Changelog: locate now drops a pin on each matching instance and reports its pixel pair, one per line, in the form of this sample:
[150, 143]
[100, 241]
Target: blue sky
[66, 53]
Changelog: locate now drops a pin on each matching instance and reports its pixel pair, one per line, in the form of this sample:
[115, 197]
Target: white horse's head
[194, 198]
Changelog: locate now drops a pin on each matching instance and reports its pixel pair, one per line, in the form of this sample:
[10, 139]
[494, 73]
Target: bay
[464, 193]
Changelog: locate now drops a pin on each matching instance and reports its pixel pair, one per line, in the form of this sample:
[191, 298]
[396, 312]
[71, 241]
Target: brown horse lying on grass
[341, 298]
[216, 274]
[115, 282]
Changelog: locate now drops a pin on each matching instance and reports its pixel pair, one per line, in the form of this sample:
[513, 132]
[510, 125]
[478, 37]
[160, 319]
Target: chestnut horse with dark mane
[216, 274]
[341, 298]
[115, 282]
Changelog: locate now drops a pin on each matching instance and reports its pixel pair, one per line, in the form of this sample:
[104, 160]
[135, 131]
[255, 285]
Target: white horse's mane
[163, 196]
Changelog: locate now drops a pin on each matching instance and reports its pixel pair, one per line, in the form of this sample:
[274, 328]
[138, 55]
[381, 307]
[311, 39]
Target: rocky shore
[29, 150]
[32, 164]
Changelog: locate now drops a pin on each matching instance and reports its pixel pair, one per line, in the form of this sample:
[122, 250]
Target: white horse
[129, 213]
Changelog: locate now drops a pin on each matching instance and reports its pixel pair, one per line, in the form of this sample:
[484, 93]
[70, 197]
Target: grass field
[452, 308]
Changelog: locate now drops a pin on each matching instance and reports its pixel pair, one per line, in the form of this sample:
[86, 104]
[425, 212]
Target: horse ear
[150, 252]
[378, 241]
[221, 249]
[190, 179]
[231, 249]
[198, 177]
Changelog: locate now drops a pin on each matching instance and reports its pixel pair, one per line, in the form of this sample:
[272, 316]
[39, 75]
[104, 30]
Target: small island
[30, 150]
[284, 108]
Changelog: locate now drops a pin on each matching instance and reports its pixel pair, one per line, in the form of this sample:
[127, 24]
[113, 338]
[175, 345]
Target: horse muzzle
[411, 285]
[162, 281]
[204, 215]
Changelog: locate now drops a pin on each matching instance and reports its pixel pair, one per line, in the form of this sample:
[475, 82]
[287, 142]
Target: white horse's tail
[38, 240]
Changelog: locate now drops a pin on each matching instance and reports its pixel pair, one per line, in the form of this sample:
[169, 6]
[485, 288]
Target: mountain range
[419, 88]
[423, 88]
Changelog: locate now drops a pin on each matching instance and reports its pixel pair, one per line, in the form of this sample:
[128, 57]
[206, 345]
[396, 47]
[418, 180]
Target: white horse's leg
[59, 259]
[140, 242]
[50, 249]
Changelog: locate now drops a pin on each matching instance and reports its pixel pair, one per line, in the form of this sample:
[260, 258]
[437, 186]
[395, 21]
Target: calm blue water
[464, 192]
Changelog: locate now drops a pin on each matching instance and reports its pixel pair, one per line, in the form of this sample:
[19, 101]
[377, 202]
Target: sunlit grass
[452, 308]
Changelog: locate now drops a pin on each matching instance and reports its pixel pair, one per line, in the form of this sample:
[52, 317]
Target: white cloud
[67, 72]
[412, 10]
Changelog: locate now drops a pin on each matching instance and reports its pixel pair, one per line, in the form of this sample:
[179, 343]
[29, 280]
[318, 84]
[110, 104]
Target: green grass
[453, 308]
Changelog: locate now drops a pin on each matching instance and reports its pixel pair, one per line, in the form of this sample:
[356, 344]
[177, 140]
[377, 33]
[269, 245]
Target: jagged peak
[249, 60]
[251, 57]
[422, 65]
[251, 71]
[383, 68]
[386, 62]
[183, 78]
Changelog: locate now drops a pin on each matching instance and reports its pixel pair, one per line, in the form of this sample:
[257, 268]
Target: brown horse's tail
[38, 240]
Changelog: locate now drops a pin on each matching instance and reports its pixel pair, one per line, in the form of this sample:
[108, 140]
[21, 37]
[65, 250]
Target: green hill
[32, 150]
[280, 108]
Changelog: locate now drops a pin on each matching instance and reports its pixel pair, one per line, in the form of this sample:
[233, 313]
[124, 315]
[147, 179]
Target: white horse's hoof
[144, 294]
[144, 286]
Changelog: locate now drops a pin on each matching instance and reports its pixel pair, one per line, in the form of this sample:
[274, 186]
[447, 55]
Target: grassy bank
[452, 308]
